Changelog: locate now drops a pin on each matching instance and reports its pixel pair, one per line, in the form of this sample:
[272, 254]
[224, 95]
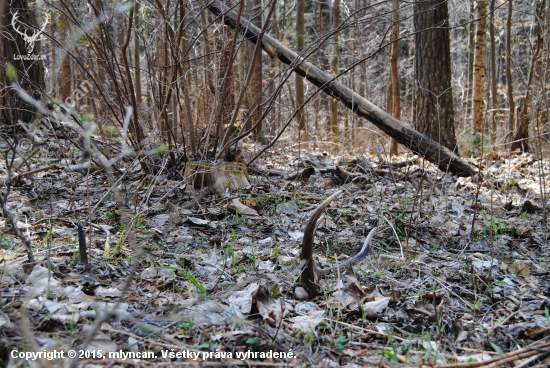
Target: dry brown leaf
[243, 298]
[100, 342]
[349, 292]
[243, 210]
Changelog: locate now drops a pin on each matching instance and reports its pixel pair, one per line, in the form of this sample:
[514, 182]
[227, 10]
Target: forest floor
[458, 275]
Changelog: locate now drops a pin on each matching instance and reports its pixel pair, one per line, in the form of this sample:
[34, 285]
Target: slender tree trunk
[395, 85]
[53, 77]
[205, 19]
[353, 87]
[522, 133]
[433, 110]
[101, 59]
[137, 67]
[334, 65]
[494, 96]
[356, 46]
[478, 106]
[272, 72]
[255, 15]
[65, 72]
[363, 80]
[323, 62]
[163, 80]
[240, 68]
[300, 93]
[188, 120]
[226, 97]
[470, 80]
[135, 127]
[509, 83]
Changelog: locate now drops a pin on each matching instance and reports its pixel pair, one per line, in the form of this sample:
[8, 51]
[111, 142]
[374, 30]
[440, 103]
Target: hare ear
[308, 277]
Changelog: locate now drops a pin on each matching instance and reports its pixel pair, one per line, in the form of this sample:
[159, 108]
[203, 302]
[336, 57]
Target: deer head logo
[29, 40]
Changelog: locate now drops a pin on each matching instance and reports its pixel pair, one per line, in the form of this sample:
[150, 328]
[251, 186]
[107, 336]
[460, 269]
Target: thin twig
[396, 236]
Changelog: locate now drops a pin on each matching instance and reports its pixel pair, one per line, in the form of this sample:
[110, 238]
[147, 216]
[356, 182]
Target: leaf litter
[457, 276]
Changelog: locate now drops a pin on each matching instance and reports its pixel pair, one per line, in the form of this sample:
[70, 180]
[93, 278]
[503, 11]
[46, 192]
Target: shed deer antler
[29, 40]
[310, 273]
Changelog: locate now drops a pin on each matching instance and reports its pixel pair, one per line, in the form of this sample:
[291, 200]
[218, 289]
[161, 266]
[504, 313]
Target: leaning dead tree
[444, 158]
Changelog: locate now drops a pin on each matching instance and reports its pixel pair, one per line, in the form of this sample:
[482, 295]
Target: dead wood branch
[303, 175]
[444, 158]
[26, 241]
[4, 203]
[267, 172]
[344, 175]
[504, 359]
[32, 172]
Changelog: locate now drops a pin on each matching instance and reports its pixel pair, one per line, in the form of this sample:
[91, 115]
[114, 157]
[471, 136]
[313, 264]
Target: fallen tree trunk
[444, 158]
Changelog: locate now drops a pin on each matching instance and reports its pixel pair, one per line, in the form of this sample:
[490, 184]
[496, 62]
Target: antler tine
[13, 24]
[363, 253]
[43, 26]
[311, 226]
[308, 272]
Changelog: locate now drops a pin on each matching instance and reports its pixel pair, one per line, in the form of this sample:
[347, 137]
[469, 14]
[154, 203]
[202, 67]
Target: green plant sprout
[240, 269]
[187, 326]
[391, 355]
[108, 255]
[140, 222]
[309, 337]
[497, 349]
[234, 237]
[189, 276]
[341, 342]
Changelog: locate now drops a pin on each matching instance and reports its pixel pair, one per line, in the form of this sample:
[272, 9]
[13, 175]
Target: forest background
[119, 119]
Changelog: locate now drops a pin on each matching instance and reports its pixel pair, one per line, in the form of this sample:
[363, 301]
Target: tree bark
[255, 98]
[188, 122]
[53, 77]
[522, 134]
[509, 83]
[395, 85]
[478, 106]
[323, 61]
[30, 73]
[99, 49]
[469, 91]
[334, 66]
[137, 67]
[227, 96]
[135, 128]
[433, 108]
[300, 93]
[445, 159]
[65, 72]
[493, 64]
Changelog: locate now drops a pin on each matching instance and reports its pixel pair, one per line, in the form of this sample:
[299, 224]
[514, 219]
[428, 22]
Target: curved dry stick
[310, 273]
